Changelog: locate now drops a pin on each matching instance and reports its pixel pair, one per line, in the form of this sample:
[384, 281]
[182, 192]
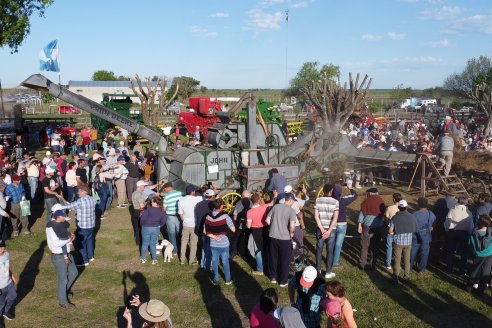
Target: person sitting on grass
[262, 314]
[154, 313]
[336, 292]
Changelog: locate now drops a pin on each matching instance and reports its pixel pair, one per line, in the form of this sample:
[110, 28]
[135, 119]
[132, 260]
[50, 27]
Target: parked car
[67, 109]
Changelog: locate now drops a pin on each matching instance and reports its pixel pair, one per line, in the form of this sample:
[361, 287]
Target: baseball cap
[190, 189]
[57, 207]
[59, 213]
[448, 118]
[122, 142]
[15, 177]
[290, 195]
[373, 190]
[2, 243]
[48, 153]
[308, 276]
[121, 158]
[288, 188]
[209, 193]
[402, 203]
[141, 183]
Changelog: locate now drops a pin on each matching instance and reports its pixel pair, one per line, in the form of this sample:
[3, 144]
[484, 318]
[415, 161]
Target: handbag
[95, 196]
[25, 207]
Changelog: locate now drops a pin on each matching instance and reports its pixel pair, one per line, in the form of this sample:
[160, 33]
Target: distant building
[94, 89]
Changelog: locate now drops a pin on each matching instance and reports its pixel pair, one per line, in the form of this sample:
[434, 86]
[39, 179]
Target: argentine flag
[49, 57]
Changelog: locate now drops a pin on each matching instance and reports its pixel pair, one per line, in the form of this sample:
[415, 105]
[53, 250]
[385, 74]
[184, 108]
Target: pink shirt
[71, 178]
[260, 319]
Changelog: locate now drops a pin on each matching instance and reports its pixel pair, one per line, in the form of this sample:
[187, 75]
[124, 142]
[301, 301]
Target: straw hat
[154, 311]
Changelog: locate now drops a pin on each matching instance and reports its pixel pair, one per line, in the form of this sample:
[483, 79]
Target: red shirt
[260, 319]
[257, 215]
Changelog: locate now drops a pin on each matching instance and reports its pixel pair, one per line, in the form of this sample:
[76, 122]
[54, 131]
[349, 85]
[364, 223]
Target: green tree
[187, 85]
[203, 89]
[399, 93]
[475, 83]
[123, 78]
[103, 75]
[309, 73]
[15, 23]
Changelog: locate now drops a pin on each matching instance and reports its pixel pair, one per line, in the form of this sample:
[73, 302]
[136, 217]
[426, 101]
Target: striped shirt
[326, 207]
[218, 226]
[86, 212]
[171, 202]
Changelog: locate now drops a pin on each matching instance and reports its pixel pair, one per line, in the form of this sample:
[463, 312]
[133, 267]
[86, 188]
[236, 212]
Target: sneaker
[337, 266]
[475, 286]
[86, 264]
[229, 282]
[143, 261]
[257, 273]
[91, 259]
[9, 316]
[283, 285]
[121, 206]
[182, 263]
[389, 268]
[68, 306]
[27, 232]
[194, 263]
[80, 264]
[103, 218]
[15, 234]
[215, 283]
[154, 262]
[330, 275]
[273, 281]
[125, 204]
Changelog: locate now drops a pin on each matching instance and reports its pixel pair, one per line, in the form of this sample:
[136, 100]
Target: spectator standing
[481, 242]
[151, 220]
[282, 220]
[403, 226]
[85, 207]
[173, 223]
[370, 224]
[423, 236]
[277, 183]
[71, 181]
[186, 211]
[66, 273]
[3, 211]
[341, 230]
[445, 147]
[15, 192]
[8, 281]
[81, 173]
[121, 174]
[310, 288]
[202, 209]
[94, 137]
[217, 225]
[138, 205]
[458, 225]
[388, 215]
[33, 176]
[240, 236]
[134, 175]
[326, 211]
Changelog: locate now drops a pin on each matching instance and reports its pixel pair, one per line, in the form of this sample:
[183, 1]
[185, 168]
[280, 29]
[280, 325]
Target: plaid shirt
[86, 212]
[402, 239]
[313, 317]
[15, 193]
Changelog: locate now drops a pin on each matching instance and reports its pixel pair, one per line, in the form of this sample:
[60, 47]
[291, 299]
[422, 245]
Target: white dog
[168, 250]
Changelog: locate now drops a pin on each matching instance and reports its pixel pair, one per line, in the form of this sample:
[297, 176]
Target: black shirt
[47, 183]
[133, 170]
[82, 174]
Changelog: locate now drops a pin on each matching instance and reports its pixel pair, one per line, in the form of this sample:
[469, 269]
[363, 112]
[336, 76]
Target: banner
[49, 57]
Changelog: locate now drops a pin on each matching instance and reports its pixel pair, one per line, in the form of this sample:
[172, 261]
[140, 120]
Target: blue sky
[249, 44]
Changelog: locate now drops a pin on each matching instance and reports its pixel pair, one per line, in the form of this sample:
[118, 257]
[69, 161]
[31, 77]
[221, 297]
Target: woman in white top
[71, 180]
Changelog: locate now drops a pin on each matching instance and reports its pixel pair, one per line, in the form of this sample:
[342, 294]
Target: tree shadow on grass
[140, 288]
[27, 277]
[222, 313]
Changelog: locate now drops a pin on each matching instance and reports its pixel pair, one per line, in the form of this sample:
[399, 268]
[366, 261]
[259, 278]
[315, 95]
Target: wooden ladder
[434, 174]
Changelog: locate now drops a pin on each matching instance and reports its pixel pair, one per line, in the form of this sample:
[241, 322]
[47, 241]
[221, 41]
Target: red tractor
[203, 113]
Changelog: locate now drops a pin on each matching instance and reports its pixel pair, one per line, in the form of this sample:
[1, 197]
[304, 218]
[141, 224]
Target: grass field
[434, 299]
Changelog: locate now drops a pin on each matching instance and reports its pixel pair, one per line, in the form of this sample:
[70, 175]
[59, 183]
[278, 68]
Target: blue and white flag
[49, 57]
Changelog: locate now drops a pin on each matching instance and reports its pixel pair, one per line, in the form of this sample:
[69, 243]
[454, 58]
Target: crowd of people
[264, 228]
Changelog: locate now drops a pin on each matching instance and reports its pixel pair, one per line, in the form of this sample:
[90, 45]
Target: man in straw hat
[154, 313]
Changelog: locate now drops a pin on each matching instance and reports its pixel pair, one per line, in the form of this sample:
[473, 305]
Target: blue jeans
[259, 261]
[48, 204]
[149, 240]
[206, 253]
[223, 254]
[173, 226]
[423, 251]
[7, 298]
[330, 245]
[339, 237]
[72, 194]
[389, 249]
[110, 195]
[33, 185]
[103, 195]
[85, 243]
[66, 274]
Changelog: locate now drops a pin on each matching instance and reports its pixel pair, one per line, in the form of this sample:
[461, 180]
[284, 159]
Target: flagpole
[58, 59]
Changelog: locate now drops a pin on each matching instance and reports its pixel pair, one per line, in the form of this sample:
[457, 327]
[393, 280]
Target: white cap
[448, 118]
[57, 207]
[48, 153]
[402, 203]
[49, 170]
[141, 183]
[288, 188]
[308, 275]
[209, 193]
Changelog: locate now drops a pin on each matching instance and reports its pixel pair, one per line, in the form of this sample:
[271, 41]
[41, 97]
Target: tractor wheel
[230, 201]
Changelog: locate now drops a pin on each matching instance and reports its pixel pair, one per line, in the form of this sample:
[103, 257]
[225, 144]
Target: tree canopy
[187, 85]
[477, 70]
[311, 72]
[103, 75]
[15, 23]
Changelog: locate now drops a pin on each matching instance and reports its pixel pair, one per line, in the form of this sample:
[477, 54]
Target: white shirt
[3, 205]
[55, 139]
[186, 206]
[54, 243]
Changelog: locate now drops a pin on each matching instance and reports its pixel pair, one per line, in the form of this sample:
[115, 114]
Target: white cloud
[439, 44]
[472, 24]
[259, 20]
[298, 5]
[269, 3]
[396, 36]
[220, 15]
[203, 31]
[443, 13]
[371, 37]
